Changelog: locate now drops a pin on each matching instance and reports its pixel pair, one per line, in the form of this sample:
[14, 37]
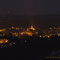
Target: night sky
[29, 8]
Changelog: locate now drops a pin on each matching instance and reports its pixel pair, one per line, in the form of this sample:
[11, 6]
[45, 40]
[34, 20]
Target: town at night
[27, 38]
[29, 29]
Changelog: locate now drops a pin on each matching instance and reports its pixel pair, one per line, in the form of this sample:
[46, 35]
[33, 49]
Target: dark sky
[30, 7]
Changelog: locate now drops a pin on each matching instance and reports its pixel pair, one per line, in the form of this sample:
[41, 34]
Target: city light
[32, 28]
[3, 41]
[30, 31]
[40, 36]
[19, 32]
[1, 30]
[26, 33]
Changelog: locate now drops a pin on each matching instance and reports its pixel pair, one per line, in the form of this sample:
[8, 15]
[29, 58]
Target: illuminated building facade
[29, 31]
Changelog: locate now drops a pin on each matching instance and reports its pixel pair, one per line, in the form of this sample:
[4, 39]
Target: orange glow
[3, 41]
[47, 36]
[27, 29]
[58, 34]
[40, 36]
[6, 41]
[16, 34]
[1, 30]
[22, 33]
[27, 33]
[59, 28]
[17, 28]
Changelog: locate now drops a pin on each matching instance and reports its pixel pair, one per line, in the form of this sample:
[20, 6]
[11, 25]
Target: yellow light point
[32, 28]
[40, 36]
[48, 36]
[6, 41]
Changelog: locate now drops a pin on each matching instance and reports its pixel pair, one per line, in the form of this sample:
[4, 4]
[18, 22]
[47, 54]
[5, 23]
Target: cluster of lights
[27, 33]
[15, 34]
[30, 31]
[2, 41]
[5, 43]
[32, 28]
[46, 36]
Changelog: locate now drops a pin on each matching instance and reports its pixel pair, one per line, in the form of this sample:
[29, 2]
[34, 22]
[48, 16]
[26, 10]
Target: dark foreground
[31, 48]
